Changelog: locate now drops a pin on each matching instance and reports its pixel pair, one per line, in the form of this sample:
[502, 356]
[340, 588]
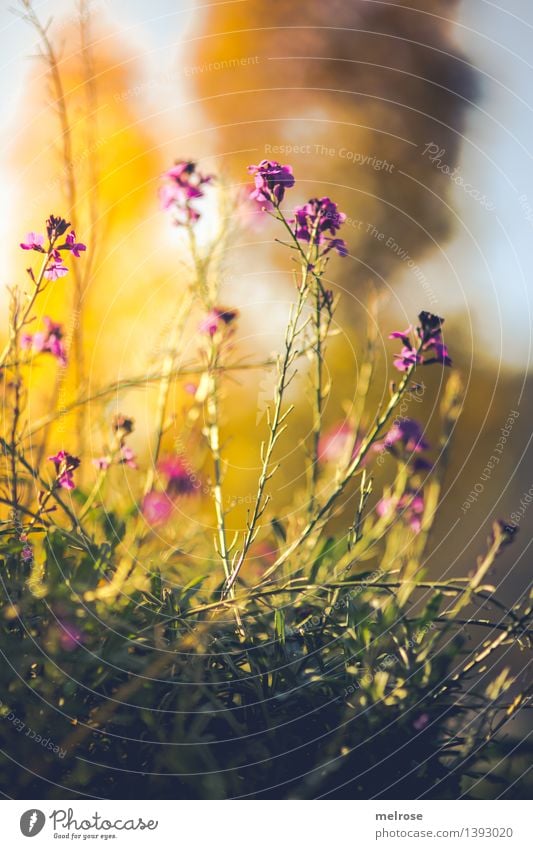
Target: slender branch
[51, 58]
[25, 314]
[276, 425]
[213, 438]
[145, 380]
[167, 370]
[322, 514]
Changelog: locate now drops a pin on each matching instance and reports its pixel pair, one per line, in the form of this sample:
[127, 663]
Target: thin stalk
[298, 585]
[93, 495]
[275, 426]
[22, 320]
[70, 185]
[167, 370]
[145, 380]
[321, 331]
[213, 439]
[322, 514]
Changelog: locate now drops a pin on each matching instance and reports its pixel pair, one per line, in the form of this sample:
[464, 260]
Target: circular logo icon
[32, 822]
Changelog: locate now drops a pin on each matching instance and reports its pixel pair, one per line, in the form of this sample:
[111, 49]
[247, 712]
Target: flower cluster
[315, 220]
[56, 228]
[49, 341]
[429, 347]
[184, 185]
[271, 180]
[65, 464]
[410, 506]
[216, 319]
[405, 436]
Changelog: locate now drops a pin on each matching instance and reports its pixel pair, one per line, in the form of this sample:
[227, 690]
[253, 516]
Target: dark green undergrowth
[361, 687]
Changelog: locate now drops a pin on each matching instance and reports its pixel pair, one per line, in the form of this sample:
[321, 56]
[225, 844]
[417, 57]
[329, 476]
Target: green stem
[275, 425]
[322, 514]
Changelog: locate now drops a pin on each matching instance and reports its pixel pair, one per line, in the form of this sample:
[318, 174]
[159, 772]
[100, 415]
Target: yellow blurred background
[373, 104]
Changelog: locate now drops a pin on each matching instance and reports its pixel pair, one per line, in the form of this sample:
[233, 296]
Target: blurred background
[413, 116]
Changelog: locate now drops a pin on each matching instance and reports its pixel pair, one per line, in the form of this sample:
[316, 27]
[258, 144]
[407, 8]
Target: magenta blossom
[34, 242]
[72, 245]
[271, 180]
[429, 341]
[334, 443]
[27, 553]
[180, 479]
[127, 457]
[184, 185]
[56, 267]
[102, 463]
[407, 358]
[122, 425]
[216, 319]
[251, 212]
[65, 464]
[318, 221]
[156, 508]
[410, 506]
[56, 227]
[50, 342]
[430, 334]
[338, 245]
[406, 433]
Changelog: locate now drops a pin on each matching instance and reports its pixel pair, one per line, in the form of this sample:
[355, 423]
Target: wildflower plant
[159, 651]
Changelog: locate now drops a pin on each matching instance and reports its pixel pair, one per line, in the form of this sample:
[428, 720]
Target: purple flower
[404, 335]
[56, 227]
[65, 464]
[440, 354]
[216, 319]
[127, 457]
[315, 220]
[180, 479]
[50, 342]
[34, 242]
[56, 268]
[122, 425]
[271, 180]
[410, 506]
[184, 185]
[407, 358]
[334, 443]
[430, 326]
[406, 433]
[338, 245]
[27, 553]
[72, 245]
[419, 465]
[429, 332]
[102, 463]
[156, 508]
